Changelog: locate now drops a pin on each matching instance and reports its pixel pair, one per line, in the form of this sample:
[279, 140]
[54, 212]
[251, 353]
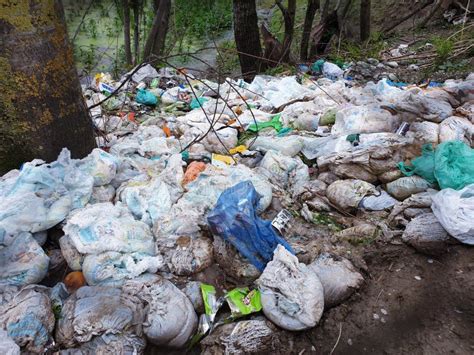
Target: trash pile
[183, 225]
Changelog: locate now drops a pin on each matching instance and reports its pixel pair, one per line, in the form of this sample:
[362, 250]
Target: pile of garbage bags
[183, 189]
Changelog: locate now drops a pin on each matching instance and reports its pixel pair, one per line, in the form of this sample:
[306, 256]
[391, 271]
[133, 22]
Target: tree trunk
[289, 20]
[126, 31]
[364, 20]
[136, 30]
[41, 105]
[247, 37]
[155, 43]
[313, 6]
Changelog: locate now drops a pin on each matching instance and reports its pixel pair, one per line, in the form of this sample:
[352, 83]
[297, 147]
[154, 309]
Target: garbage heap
[225, 208]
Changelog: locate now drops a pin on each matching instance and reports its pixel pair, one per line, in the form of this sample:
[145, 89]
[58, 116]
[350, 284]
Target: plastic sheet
[234, 219]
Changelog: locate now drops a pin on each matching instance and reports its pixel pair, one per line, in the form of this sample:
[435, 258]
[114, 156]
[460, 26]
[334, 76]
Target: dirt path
[429, 306]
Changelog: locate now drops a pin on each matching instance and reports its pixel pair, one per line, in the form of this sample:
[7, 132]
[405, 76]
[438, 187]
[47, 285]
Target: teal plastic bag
[317, 66]
[454, 165]
[146, 98]
[451, 165]
[422, 166]
[195, 103]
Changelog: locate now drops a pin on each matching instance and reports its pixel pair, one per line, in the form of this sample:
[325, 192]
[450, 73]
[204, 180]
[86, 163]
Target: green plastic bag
[422, 166]
[195, 103]
[317, 66]
[451, 165]
[275, 123]
[146, 98]
[454, 165]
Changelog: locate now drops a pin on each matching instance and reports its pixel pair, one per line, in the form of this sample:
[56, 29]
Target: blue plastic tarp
[235, 219]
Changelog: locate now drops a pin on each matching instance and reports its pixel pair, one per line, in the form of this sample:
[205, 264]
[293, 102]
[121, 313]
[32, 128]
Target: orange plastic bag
[193, 171]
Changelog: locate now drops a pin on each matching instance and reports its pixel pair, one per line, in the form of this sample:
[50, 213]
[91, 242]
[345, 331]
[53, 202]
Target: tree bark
[41, 105]
[155, 43]
[289, 20]
[313, 6]
[247, 37]
[365, 20]
[126, 32]
[136, 30]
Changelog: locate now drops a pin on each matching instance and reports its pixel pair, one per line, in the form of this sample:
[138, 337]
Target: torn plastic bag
[28, 318]
[426, 234]
[41, 196]
[455, 211]
[234, 219]
[22, 262]
[170, 319]
[338, 276]
[317, 147]
[291, 293]
[347, 194]
[407, 186]
[94, 311]
[7, 345]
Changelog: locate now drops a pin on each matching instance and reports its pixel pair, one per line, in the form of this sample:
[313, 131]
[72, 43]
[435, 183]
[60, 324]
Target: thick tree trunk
[247, 37]
[41, 105]
[126, 31]
[365, 20]
[313, 6]
[155, 43]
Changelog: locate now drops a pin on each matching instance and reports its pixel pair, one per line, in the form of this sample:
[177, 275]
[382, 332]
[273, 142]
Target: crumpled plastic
[234, 219]
[291, 293]
[113, 244]
[22, 262]
[455, 211]
[27, 317]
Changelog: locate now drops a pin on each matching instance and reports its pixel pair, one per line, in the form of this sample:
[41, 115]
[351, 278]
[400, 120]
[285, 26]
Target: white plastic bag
[28, 318]
[170, 319]
[455, 211]
[347, 194]
[22, 262]
[291, 293]
[338, 277]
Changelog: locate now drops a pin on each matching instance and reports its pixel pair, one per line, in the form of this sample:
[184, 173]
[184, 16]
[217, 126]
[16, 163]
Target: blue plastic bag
[147, 98]
[235, 220]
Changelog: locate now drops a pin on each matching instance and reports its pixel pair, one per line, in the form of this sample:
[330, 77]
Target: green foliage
[202, 18]
[282, 68]
[444, 48]
[91, 28]
[56, 308]
[351, 50]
